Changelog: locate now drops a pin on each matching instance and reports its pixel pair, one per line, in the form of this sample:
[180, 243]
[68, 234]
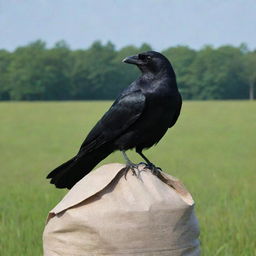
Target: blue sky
[161, 23]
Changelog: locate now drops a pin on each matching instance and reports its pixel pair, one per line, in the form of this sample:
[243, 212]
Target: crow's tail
[69, 173]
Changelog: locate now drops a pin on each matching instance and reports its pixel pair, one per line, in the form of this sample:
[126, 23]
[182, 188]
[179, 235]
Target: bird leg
[129, 165]
[149, 165]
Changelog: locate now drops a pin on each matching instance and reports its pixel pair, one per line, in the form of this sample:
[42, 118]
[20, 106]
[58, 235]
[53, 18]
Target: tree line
[35, 72]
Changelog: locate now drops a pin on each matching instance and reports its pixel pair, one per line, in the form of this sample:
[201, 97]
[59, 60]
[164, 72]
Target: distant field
[212, 149]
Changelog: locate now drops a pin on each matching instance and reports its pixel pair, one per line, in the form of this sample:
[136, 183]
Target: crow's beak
[132, 60]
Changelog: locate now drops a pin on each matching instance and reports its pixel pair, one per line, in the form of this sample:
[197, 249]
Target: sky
[160, 23]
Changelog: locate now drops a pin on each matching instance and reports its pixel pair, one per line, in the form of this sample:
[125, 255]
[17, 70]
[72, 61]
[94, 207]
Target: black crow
[138, 119]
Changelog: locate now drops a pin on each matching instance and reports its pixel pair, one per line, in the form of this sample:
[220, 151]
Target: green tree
[55, 72]
[181, 58]
[25, 72]
[5, 60]
[232, 82]
[144, 48]
[94, 75]
[217, 74]
[250, 72]
[34, 72]
[37, 73]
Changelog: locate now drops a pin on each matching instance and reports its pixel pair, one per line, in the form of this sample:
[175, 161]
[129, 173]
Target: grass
[212, 149]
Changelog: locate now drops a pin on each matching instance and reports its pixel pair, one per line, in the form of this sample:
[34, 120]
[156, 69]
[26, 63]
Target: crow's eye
[145, 57]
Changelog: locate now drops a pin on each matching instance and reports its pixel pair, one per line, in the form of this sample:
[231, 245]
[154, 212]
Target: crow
[138, 118]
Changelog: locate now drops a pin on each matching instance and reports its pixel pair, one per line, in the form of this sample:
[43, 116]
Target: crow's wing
[121, 115]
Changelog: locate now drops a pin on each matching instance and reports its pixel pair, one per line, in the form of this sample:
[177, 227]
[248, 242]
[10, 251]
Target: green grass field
[212, 149]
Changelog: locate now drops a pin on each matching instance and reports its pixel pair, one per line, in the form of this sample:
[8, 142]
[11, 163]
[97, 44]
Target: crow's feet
[155, 170]
[133, 167]
[143, 163]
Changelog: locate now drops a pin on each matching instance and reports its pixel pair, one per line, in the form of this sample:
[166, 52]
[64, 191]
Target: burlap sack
[107, 213]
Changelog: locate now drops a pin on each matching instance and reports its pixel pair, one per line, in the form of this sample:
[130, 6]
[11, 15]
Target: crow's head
[150, 62]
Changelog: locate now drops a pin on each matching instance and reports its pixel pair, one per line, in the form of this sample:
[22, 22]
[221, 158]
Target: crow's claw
[143, 163]
[155, 170]
[132, 167]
